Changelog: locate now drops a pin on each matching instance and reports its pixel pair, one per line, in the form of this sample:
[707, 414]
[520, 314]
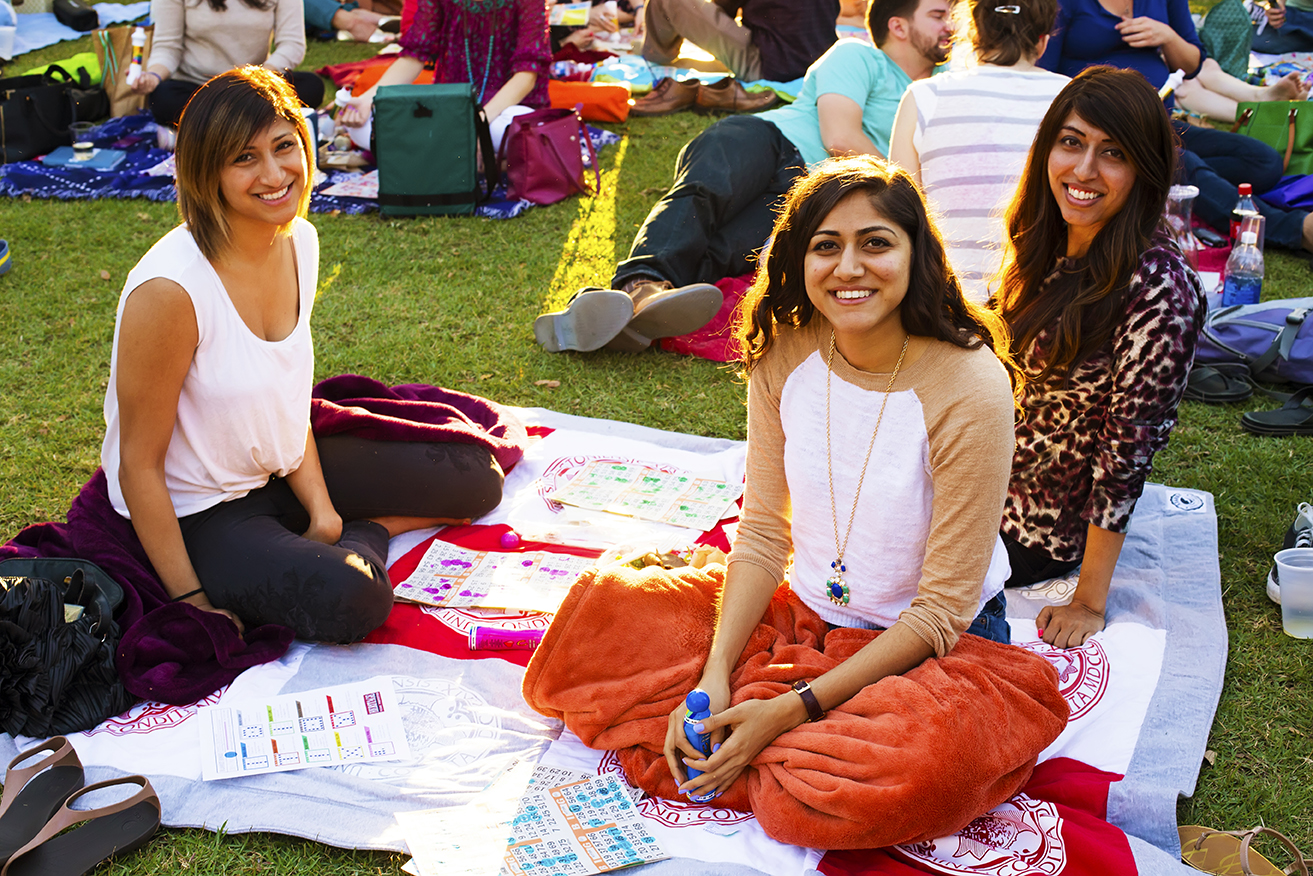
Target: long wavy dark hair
[933, 306]
[1128, 109]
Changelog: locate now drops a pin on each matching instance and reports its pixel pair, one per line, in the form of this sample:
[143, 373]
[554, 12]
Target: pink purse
[543, 160]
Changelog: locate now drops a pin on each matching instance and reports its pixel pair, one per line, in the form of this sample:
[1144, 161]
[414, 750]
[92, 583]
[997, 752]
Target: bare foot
[1307, 241]
[396, 525]
[1288, 87]
[360, 23]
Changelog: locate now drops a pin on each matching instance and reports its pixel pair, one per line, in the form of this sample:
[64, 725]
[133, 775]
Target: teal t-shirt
[858, 71]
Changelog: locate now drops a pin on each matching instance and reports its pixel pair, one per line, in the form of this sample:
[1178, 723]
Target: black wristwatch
[814, 710]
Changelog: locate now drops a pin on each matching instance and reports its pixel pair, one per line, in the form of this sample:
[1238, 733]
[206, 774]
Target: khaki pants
[669, 22]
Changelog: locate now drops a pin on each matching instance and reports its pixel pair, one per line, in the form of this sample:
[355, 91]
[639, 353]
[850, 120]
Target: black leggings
[252, 560]
[170, 97]
[1030, 566]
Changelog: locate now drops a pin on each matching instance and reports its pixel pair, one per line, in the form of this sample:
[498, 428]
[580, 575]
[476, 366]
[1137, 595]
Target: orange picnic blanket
[910, 758]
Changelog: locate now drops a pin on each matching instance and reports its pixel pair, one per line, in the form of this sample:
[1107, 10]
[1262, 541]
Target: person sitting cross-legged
[730, 179]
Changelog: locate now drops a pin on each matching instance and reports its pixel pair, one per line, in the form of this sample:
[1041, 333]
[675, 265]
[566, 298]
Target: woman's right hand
[677, 745]
[201, 601]
[355, 112]
[599, 20]
[146, 82]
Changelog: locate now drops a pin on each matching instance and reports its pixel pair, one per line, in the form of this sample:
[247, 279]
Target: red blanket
[910, 758]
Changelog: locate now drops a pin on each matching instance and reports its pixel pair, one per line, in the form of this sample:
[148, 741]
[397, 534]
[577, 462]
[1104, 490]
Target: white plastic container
[1295, 570]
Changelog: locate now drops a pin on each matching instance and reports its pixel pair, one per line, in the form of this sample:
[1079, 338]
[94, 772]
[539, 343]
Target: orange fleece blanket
[910, 758]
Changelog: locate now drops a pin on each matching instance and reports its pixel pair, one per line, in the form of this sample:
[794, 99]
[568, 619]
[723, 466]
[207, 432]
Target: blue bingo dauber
[698, 706]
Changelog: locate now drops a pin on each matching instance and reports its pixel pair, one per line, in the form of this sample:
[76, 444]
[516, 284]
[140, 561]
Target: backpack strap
[1283, 343]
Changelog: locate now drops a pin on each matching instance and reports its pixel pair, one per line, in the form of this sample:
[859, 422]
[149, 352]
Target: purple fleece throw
[176, 653]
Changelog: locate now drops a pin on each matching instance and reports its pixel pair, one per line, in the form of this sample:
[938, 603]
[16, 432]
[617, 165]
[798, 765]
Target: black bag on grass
[425, 140]
[36, 111]
[57, 643]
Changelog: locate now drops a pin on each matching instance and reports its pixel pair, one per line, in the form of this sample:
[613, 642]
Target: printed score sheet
[452, 577]
[648, 493]
[566, 823]
[350, 723]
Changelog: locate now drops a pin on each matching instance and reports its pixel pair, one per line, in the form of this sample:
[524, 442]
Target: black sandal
[1295, 417]
[1218, 384]
[34, 794]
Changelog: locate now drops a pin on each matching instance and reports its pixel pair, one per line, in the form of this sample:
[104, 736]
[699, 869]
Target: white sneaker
[1300, 534]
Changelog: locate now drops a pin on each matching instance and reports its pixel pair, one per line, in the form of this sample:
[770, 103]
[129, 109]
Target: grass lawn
[451, 302]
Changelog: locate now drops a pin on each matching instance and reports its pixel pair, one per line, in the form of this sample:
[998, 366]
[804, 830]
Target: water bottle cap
[697, 700]
[1248, 237]
[1246, 189]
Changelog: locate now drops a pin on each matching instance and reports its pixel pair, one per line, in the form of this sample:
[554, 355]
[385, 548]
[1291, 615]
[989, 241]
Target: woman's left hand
[752, 725]
[326, 528]
[1145, 32]
[1068, 626]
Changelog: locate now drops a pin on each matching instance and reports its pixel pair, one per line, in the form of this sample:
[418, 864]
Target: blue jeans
[1295, 35]
[991, 623]
[720, 210]
[1218, 161]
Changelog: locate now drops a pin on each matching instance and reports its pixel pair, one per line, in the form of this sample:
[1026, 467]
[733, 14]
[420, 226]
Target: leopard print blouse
[1085, 446]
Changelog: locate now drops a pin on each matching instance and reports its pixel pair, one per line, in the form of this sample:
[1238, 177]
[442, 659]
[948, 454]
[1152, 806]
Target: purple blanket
[176, 653]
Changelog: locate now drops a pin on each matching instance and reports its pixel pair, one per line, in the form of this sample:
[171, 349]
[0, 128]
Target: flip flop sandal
[1295, 417]
[34, 794]
[1218, 384]
[668, 314]
[110, 830]
[591, 319]
[1228, 852]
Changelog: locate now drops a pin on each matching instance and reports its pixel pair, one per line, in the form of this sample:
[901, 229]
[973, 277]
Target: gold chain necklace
[835, 587]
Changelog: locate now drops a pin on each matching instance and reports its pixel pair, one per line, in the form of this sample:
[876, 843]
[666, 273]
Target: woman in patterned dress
[499, 46]
[1105, 314]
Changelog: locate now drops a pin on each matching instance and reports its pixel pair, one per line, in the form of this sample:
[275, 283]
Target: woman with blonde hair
[969, 169]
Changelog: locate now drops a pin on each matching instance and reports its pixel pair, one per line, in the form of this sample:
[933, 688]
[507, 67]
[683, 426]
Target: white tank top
[245, 402]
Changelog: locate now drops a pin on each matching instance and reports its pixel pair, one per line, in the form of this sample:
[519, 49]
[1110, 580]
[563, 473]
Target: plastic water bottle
[698, 705]
[1245, 206]
[138, 56]
[1243, 283]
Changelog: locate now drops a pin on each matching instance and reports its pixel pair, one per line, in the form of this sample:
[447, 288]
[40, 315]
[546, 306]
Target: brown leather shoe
[666, 313]
[668, 96]
[729, 96]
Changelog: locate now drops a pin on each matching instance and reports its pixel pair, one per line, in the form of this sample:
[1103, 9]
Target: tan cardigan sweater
[924, 548]
[195, 42]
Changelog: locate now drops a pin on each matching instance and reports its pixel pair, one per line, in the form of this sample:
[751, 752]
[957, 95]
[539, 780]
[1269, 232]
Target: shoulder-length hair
[933, 307]
[1004, 34]
[220, 120]
[1126, 107]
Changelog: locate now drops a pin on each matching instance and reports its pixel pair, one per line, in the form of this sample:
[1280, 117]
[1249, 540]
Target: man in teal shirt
[730, 178]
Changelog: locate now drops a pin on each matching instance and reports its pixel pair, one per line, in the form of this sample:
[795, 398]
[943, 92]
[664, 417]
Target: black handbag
[76, 15]
[57, 643]
[36, 111]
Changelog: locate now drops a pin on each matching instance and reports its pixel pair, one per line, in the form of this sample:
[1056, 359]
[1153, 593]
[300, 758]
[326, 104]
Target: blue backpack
[1273, 338]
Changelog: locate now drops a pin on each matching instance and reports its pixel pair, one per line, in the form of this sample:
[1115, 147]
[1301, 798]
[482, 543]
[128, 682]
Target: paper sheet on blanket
[649, 493]
[554, 460]
[364, 185]
[703, 833]
[453, 577]
[350, 723]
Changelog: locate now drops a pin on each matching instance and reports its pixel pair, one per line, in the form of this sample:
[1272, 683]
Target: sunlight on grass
[590, 246]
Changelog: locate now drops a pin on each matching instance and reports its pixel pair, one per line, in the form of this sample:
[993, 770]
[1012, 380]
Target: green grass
[451, 302]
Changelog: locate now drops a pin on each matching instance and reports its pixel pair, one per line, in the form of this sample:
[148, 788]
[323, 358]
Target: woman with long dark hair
[879, 440]
[195, 40]
[1104, 315]
[208, 449]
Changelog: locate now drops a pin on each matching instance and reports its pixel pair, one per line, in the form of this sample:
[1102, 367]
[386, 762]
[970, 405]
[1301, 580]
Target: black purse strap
[491, 161]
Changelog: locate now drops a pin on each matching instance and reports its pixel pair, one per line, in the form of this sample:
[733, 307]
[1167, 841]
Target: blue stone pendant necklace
[835, 586]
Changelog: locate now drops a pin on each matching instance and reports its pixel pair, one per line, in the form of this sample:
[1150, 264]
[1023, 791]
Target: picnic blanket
[145, 173]
[1142, 694]
[36, 30]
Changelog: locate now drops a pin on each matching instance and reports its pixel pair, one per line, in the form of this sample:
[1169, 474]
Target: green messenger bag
[425, 139]
[1285, 125]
